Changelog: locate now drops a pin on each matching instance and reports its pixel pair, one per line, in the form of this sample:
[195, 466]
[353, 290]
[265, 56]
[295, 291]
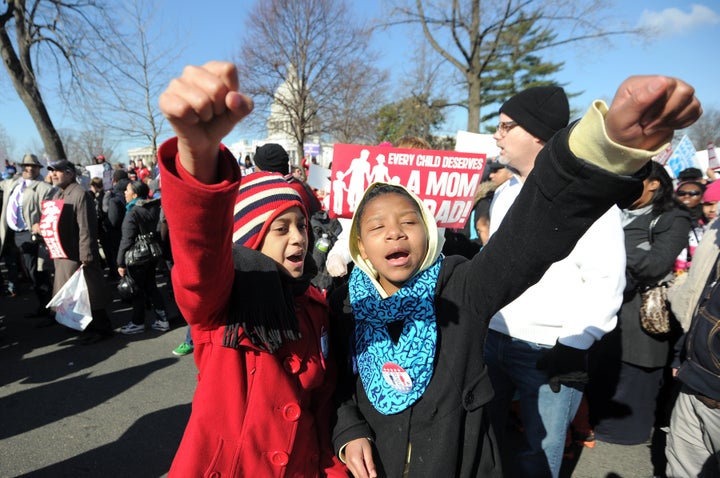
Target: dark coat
[448, 427]
[142, 218]
[114, 206]
[78, 231]
[646, 265]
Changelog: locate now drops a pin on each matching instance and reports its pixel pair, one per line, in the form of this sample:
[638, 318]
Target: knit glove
[564, 365]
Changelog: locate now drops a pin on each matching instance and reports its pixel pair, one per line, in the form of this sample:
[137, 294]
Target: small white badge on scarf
[397, 377]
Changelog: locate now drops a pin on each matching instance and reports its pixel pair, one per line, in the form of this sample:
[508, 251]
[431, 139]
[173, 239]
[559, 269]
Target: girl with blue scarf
[410, 325]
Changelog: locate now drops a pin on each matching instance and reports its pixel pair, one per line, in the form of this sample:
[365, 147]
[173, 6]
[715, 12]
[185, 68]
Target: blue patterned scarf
[395, 376]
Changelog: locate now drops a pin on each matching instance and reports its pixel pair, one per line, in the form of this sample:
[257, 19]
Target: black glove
[564, 365]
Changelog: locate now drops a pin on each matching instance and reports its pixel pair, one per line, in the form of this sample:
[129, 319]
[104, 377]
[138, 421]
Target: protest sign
[445, 180]
[49, 219]
[319, 177]
[713, 162]
[683, 156]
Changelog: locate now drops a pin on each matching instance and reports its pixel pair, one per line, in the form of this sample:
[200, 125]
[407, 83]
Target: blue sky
[686, 49]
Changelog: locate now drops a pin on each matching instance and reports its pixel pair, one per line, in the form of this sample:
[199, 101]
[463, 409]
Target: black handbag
[145, 249]
[127, 287]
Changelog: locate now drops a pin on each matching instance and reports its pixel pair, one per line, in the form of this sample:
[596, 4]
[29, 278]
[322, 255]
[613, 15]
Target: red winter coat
[254, 414]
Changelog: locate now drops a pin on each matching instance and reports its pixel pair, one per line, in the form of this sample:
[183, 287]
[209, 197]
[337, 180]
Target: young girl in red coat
[263, 402]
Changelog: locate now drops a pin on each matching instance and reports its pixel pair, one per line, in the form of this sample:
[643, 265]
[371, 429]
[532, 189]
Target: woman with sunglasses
[690, 195]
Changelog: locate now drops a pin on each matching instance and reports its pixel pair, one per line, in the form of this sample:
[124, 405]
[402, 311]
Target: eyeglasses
[504, 126]
[688, 193]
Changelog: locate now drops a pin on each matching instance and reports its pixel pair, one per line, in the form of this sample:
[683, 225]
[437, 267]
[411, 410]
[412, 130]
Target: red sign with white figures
[49, 220]
[445, 180]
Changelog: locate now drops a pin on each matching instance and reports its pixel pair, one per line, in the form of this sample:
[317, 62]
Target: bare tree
[421, 110]
[352, 116]
[467, 34]
[318, 51]
[83, 146]
[706, 129]
[120, 95]
[7, 146]
[58, 35]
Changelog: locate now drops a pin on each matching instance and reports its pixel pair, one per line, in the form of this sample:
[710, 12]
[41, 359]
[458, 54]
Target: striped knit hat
[261, 198]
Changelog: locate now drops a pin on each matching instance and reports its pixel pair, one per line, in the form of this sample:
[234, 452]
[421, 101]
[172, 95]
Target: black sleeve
[670, 236]
[115, 212]
[561, 198]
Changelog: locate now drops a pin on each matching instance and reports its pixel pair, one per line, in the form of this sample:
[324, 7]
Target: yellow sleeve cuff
[589, 141]
[341, 453]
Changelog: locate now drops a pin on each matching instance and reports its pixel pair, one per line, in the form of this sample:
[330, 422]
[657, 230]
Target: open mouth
[398, 258]
[296, 258]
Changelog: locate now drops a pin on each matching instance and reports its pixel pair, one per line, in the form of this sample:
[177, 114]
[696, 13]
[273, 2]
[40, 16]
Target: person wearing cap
[710, 200]
[78, 233]
[260, 330]
[22, 207]
[498, 173]
[273, 158]
[537, 345]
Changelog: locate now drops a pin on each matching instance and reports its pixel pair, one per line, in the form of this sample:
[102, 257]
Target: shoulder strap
[651, 229]
[140, 224]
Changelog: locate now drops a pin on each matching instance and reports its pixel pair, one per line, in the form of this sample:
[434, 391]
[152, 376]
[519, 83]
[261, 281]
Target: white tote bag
[72, 302]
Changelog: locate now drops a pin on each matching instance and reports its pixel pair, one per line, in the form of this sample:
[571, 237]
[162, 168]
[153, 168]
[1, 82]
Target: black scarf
[262, 301]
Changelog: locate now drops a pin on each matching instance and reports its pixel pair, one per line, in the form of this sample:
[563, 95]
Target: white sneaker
[160, 325]
[131, 329]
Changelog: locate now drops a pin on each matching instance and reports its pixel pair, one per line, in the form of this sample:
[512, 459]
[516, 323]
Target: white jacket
[577, 298]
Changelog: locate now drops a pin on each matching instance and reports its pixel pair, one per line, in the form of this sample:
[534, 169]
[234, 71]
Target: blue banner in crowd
[683, 156]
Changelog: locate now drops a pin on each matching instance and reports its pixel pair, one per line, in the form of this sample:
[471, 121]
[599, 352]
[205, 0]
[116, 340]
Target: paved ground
[118, 408]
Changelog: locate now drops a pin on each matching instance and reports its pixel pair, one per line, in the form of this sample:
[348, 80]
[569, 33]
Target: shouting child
[263, 402]
[412, 323]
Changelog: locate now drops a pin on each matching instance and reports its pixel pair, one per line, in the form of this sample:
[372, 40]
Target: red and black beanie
[261, 198]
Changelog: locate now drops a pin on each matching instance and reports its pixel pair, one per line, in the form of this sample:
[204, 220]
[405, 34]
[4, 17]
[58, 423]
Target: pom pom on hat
[542, 111]
[261, 198]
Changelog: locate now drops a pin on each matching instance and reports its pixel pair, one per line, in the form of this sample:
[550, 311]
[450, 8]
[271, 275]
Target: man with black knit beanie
[273, 158]
[537, 345]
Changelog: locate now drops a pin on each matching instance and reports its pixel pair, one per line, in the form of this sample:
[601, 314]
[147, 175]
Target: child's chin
[295, 272]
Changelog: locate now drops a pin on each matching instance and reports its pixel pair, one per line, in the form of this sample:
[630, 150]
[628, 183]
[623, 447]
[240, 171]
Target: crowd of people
[402, 349]
[95, 227]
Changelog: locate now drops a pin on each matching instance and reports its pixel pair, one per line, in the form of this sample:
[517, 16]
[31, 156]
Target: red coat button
[292, 364]
[291, 412]
[279, 458]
